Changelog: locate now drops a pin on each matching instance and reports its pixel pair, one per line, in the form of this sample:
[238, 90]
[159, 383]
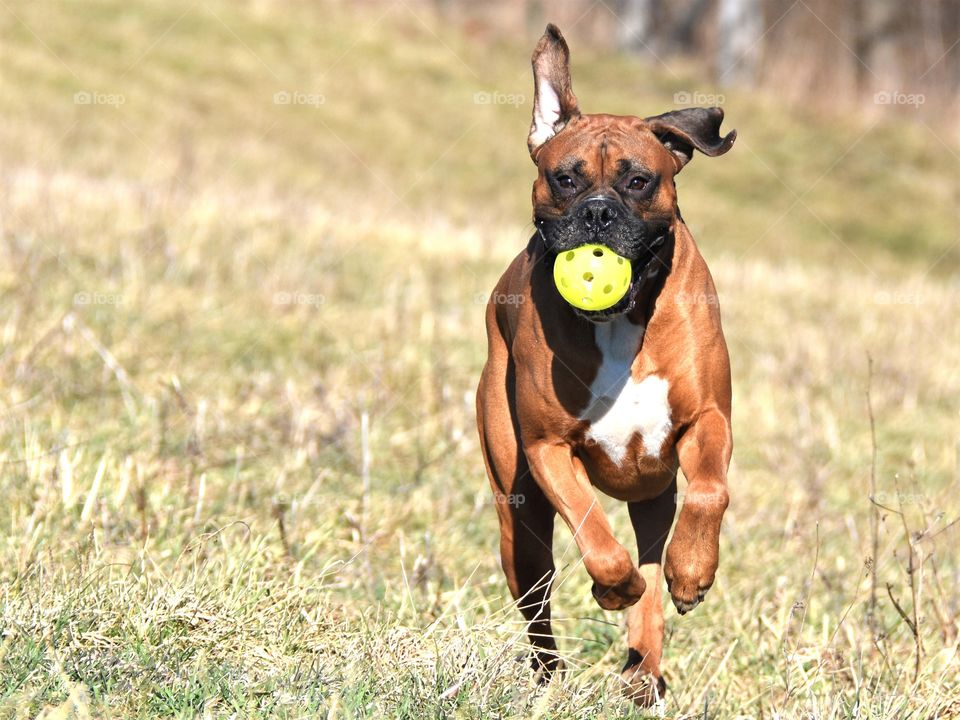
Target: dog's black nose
[598, 214]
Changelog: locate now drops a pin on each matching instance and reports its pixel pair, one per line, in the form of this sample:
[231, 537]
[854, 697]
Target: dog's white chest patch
[620, 406]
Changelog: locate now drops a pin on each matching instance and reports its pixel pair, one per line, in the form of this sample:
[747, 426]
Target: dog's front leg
[616, 581]
[694, 552]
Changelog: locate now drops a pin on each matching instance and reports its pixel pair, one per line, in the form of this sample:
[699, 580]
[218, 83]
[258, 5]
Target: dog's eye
[637, 183]
[566, 182]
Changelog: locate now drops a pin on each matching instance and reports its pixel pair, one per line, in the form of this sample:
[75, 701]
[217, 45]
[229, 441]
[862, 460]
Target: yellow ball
[591, 277]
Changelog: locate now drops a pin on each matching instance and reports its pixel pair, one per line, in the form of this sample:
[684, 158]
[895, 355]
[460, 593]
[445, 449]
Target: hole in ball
[588, 276]
[619, 261]
[607, 289]
[598, 252]
[569, 256]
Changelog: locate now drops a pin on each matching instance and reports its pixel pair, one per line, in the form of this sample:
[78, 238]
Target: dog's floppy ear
[554, 104]
[681, 131]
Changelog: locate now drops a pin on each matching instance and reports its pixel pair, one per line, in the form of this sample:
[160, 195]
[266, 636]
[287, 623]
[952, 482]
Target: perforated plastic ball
[591, 277]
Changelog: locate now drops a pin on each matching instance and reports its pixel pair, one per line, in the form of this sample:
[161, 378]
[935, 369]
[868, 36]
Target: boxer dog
[571, 402]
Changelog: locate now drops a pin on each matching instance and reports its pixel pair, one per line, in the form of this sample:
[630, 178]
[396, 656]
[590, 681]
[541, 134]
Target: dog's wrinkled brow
[626, 166]
[572, 165]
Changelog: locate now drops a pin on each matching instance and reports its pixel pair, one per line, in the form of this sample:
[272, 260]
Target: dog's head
[608, 179]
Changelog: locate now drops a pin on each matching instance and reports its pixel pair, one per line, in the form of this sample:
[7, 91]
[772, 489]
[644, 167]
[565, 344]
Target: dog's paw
[642, 686]
[684, 606]
[623, 594]
[545, 665]
[688, 580]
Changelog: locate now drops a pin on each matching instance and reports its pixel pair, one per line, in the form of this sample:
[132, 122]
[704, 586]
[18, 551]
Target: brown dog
[616, 400]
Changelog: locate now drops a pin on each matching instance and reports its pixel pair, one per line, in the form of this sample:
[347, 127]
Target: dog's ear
[681, 131]
[554, 104]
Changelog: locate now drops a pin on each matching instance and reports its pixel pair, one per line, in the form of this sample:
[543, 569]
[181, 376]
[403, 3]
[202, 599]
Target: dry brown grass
[185, 528]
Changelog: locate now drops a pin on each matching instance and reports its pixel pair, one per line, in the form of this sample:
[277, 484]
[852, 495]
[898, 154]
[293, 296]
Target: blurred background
[245, 250]
[816, 52]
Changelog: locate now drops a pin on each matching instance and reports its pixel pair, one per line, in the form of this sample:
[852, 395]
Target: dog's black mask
[605, 220]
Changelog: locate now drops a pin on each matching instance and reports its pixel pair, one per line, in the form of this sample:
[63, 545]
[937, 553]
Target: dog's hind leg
[526, 518]
[641, 676]
[526, 554]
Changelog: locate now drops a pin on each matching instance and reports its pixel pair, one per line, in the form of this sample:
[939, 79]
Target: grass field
[241, 333]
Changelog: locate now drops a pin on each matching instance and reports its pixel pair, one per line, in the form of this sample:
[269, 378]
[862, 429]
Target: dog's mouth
[644, 269]
[623, 305]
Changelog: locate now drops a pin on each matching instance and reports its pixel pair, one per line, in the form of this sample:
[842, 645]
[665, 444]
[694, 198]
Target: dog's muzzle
[603, 220]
